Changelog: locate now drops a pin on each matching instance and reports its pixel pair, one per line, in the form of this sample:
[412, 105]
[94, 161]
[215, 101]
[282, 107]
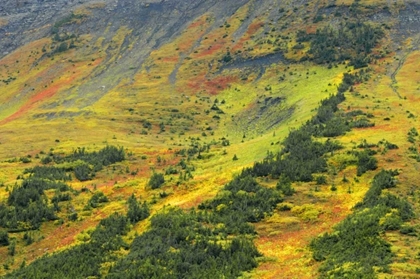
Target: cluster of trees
[352, 41]
[83, 260]
[4, 238]
[48, 172]
[212, 242]
[28, 206]
[179, 244]
[85, 164]
[215, 241]
[366, 162]
[355, 248]
[242, 201]
[61, 38]
[302, 155]
[156, 180]
[96, 199]
[186, 245]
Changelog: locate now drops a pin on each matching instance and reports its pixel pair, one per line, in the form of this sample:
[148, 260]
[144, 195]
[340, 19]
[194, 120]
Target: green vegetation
[355, 248]
[82, 260]
[27, 204]
[137, 211]
[4, 238]
[365, 162]
[177, 127]
[48, 172]
[211, 242]
[352, 41]
[67, 20]
[302, 155]
[97, 199]
[156, 180]
[241, 201]
[186, 245]
[285, 185]
[82, 172]
[85, 164]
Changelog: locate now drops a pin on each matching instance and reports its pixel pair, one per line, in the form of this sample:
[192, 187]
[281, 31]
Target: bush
[156, 180]
[365, 163]
[82, 172]
[4, 238]
[321, 180]
[62, 47]
[72, 216]
[97, 198]
[136, 211]
[285, 185]
[227, 58]
[408, 230]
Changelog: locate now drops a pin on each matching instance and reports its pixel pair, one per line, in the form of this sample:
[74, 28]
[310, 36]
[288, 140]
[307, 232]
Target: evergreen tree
[4, 238]
[156, 180]
[285, 185]
[136, 211]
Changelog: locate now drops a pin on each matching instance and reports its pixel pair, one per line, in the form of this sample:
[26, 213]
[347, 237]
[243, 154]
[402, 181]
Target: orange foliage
[211, 50]
[311, 29]
[170, 59]
[254, 27]
[32, 102]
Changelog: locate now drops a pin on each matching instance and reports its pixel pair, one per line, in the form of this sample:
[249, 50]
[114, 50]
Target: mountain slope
[202, 82]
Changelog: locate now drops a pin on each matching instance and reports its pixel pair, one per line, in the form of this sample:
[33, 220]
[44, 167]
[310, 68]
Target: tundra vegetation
[254, 142]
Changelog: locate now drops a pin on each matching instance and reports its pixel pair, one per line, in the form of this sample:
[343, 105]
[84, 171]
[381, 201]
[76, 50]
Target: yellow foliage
[83, 237]
[307, 212]
[221, 207]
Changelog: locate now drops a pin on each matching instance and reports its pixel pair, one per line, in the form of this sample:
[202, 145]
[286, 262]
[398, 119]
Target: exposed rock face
[23, 21]
[152, 23]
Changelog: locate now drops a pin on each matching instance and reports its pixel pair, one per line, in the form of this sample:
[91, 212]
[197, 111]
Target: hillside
[211, 139]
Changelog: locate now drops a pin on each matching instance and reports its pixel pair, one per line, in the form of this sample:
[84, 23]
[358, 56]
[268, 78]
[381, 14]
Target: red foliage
[210, 51]
[212, 86]
[47, 93]
[170, 59]
[218, 84]
[198, 23]
[253, 27]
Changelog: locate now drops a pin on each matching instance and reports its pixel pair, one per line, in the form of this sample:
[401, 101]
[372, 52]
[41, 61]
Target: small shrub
[321, 180]
[72, 216]
[4, 238]
[97, 198]
[82, 172]
[408, 230]
[156, 180]
[285, 185]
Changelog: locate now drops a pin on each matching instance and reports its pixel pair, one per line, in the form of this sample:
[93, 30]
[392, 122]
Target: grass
[117, 118]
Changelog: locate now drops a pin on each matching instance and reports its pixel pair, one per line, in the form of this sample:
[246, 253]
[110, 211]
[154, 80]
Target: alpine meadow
[209, 139]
